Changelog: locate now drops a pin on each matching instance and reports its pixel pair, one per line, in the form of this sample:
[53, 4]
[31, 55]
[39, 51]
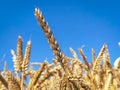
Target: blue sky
[73, 22]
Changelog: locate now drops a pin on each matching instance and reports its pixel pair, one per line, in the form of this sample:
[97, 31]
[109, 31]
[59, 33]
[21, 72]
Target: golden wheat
[65, 73]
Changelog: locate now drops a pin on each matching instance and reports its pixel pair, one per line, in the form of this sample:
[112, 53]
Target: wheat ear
[17, 58]
[16, 65]
[26, 57]
[84, 58]
[46, 29]
[51, 39]
[25, 61]
[74, 54]
[19, 53]
[106, 59]
[99, 58]
[93, 55]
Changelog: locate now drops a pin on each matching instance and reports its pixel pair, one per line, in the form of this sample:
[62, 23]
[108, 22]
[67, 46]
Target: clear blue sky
[73, 22]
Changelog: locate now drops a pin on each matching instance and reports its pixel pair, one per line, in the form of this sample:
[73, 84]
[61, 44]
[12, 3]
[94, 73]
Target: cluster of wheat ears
[64, 73]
